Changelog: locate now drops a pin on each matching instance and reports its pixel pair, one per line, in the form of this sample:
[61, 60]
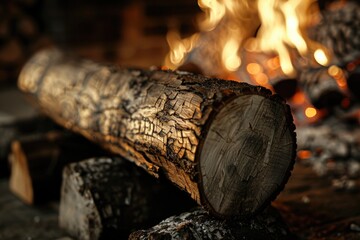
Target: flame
[234, 23]
[321, 57]
[230, 57]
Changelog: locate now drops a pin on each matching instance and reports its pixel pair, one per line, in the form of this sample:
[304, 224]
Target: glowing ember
[304, 154]
[338, 74]
[310, 112]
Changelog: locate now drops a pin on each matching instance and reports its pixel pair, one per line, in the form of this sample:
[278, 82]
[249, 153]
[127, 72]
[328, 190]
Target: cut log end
[245, 156]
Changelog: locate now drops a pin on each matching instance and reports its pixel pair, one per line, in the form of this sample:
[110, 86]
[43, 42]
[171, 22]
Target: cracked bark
[230, 145]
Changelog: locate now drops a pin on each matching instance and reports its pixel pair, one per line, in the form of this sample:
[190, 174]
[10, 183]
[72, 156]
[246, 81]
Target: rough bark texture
[104, 198]
[37, 161]
[218, 140]
[199, 225]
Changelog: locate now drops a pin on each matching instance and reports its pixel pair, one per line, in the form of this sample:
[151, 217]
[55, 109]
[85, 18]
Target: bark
[104, 198]
[230, 145]
[199, 225]
[37, 161]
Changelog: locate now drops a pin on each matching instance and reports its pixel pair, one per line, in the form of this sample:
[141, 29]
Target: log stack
[230, 145]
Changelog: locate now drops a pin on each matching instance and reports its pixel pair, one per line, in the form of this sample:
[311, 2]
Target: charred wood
[176, 123]
[322, 89]
[334, 147]
[285, 87]
[104, 198]
[353, 82]
[199, 224]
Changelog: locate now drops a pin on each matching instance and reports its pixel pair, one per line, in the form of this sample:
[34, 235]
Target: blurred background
[117, 31]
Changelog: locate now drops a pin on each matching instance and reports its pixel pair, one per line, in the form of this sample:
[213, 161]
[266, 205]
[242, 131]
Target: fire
[320, 57]
[278, 25]
[230, 58]
[310, 112]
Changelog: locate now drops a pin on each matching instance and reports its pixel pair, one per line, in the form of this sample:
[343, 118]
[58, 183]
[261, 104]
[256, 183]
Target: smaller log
[285, 87]
[37, 161]
[334, 147]
[353, 82]
[321, 88]
[104, 198]
[198, 224]
[17, 118]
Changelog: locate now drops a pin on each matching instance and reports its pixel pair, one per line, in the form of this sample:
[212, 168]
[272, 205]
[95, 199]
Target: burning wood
[334, 147]
[221, 141]
[105, 198]
[321, 88]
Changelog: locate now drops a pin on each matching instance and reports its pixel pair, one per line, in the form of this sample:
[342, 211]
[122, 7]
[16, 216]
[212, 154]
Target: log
[321, 88]
[353, 82]
[230, 145]
[198, 224]
[97, 203]
[37, 161]
[17, 118]
[285, 87]
[334, 147]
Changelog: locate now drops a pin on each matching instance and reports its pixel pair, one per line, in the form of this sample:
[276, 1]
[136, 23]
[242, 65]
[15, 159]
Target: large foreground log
[106, 198]
[230, 145]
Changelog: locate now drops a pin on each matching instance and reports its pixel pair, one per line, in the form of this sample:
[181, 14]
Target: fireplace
[203, 96]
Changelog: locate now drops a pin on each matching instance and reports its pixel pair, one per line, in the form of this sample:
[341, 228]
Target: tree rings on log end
[246, 156]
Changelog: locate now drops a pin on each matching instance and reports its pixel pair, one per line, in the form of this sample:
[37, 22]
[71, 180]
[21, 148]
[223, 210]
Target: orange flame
[235, 22]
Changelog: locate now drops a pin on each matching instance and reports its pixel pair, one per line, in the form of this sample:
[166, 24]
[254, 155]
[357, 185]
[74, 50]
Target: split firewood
[230, 145]
[322, 89]
[104, 198]
[37, 161]
[17, 118]
[198, 224]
